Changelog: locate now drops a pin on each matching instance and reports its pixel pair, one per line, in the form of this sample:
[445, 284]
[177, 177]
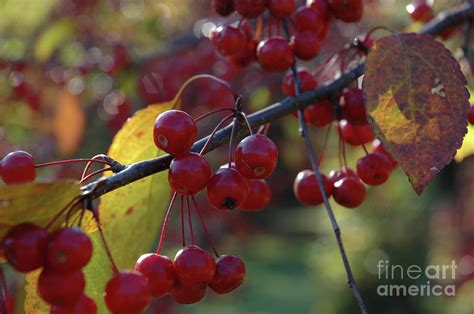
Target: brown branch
[137, 171]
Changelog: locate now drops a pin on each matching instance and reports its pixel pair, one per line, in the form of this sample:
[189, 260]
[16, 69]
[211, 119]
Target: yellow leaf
[69, 122]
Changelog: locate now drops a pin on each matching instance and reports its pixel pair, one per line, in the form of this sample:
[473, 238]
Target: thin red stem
[68, 161]
[190, 221]
[247, 122]
[207, 114]
[204, 228]
[183, 234]
[165, 222]
[325, 145]
[218, 126]
[231, 140]
[104, 242]
[89, 164]
[62, 211]
[90, 175]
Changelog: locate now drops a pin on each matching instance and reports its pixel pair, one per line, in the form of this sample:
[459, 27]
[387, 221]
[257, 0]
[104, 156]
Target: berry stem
[95, 214]
[3, 301]
[247, 122]
[207, 114]
[165, 222]
[218, 126]
[71, 204]
[203, 224]
[183, 235]
[325, 145]
[89, 164]
[90, 175]
[190, 221]
[314, 164]
[232, 133]
[69, 161]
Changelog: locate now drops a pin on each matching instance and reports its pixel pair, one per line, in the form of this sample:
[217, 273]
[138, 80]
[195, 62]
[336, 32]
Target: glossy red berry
[275, 54]
[61, 289]
[348, 11]
[349, 192]
[189, 173]
[227, 189]
[187, 294]
[230, 273]
[84, 305]
[250, 8]
[336, 175]
[223, 7]
[281, 9]
[160, 272]
[194, 266]
[355, 134]
[69, 249]
[256, 156]
[18, 167]
[420, 10]
[25, 246]
[305, 45]
[320, 114]
[228, 40]
[306, 19]
[374, 169]
[321, 7]
[306, 188]
[471, 115]
[174, 131]
[307, 80]
[246, 56]
[353, 107]
[127, 292]
[259, 196]
[379, 149]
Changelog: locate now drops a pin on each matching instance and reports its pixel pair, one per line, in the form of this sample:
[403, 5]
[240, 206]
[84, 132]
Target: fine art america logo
[427, 281]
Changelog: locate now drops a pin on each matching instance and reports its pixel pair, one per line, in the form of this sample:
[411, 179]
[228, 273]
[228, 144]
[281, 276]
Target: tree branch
[137, 171]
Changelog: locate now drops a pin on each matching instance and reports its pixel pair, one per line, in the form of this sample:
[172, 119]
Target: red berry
[256, 156]
[25, 246]
[223, 7]
[281, 9]
[84, 305]
[274, 54]
[174, 131]
[336, 175]
[227, 189]
[259, 196]
[306, 188]
[355, 134]
[379, 149]
[69, 249]
[306, 19]
[61, 289]
[320, 114]
[374, 169]
[349, 192]
[308, 82]
[189, 173]
[18, 167]
[127, 292]
[250, 8]
[160, 272]
[471, 115]
[230, 273]
[194, 266]
[420, 11]
[228, 40]
[246, 56]
[321, 7]
[348, 11]
[305, 45]
[187, 294]
[353, 106]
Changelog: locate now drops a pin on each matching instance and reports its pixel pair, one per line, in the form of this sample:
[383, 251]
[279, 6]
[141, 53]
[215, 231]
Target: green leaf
[34, 202]
[53, 37]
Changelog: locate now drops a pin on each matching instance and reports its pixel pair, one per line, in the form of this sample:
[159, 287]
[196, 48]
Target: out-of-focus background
[73, 71]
